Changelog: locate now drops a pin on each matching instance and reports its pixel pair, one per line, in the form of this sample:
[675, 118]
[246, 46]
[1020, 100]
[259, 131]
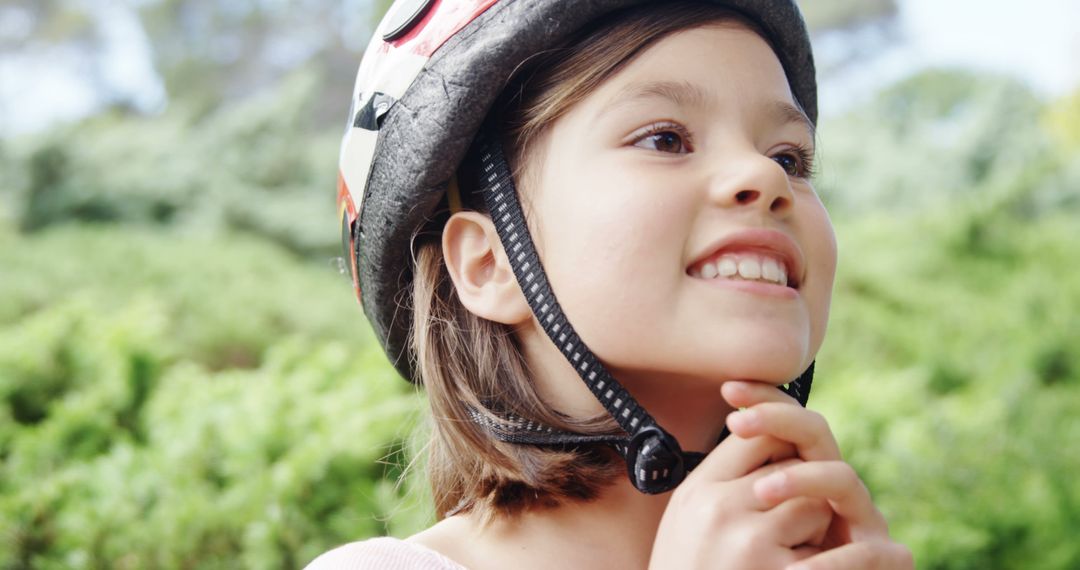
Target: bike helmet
[426, 83]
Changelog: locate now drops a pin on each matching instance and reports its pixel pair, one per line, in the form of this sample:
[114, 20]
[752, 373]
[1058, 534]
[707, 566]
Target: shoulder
[384, 553]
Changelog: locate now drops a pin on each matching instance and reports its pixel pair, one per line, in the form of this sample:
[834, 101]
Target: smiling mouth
[764, 267]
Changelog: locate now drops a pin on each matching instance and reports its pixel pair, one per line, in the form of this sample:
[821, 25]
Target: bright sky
[1035, 40]
[38, 88]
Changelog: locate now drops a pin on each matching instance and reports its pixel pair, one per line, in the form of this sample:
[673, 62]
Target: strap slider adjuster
[655, 461]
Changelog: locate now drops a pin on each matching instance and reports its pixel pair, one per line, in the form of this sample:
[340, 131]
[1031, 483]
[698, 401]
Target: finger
[744, 499]
[835, 481]
[806, 429]
[803, 552]
[737, 457]
[745, 393]
[874, 554]
[800, 521]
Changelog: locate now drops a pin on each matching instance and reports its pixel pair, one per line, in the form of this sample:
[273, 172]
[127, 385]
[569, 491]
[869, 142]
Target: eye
[789, 163]
[665, 138]
[796, 162]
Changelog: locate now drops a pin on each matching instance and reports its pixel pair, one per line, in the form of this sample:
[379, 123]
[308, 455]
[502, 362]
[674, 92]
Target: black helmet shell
[420, 98]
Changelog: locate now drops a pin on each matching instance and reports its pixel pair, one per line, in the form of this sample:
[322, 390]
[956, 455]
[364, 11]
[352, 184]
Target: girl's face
[687, 166]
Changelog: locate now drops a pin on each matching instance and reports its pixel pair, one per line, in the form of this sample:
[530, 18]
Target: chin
[771, 352]
[775, 373]
[773, 357]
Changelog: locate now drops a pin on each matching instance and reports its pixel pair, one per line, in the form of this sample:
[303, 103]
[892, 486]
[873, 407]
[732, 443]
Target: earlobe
[481, 273]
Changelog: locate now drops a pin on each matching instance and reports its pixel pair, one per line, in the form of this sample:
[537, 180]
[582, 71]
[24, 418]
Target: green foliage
[951, 377]
[951, 374]
[176, 402]
[228, 299]
[942, 138]
[1062, 119]
[252, 166]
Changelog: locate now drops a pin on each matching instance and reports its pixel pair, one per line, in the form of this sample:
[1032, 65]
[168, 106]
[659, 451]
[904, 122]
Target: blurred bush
[186, 381]
[952, 380]
[249, 165]
[952, 371]
[174, 402]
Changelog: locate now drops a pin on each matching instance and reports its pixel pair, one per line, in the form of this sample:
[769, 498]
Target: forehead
[725, 65]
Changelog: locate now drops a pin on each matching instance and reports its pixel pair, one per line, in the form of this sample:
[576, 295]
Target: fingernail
[771, 486]
[797, 566]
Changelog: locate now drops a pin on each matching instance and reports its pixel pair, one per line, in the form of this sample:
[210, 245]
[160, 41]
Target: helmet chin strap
[654, 460]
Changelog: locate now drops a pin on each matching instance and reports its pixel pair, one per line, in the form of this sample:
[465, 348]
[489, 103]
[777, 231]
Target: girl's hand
[715, 520]
[858, 536]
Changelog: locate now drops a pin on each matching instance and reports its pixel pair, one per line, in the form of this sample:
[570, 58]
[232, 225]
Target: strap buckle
[655, 461]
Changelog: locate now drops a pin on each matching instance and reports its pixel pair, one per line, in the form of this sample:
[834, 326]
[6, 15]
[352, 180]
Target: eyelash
[804, 161]
[661, 128]
[803, 156]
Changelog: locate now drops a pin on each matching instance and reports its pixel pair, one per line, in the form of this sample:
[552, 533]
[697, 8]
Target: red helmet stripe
[347, 213]
[345, 201]
[441, 22]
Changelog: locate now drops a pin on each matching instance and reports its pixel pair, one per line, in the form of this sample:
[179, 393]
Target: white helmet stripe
[393, 74]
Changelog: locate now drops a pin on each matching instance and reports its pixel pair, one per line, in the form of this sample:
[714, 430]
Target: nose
[752, 180]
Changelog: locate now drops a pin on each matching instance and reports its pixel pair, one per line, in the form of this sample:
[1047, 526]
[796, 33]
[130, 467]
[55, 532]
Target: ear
[480, 270]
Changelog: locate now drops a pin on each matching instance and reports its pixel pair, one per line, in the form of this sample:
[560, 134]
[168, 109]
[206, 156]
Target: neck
[691, 410]
[617, 529]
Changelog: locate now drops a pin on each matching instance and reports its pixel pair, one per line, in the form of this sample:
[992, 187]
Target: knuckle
[821, 507]
[686, 495]
[820, 424]
[880, 516]
[778, 449]
[872, 555]
[745, 543]
[710, 513]
[847, 474]
[701, 504]
[867, 555]
[810, 508]
[683, 497]
[904, 557]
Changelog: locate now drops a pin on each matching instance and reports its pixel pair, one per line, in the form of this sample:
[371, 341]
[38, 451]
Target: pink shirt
[383, 553]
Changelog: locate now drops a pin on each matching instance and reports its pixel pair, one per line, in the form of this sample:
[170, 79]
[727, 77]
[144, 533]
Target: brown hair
[465, 361]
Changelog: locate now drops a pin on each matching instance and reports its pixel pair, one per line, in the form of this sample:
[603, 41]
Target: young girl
[588, 229]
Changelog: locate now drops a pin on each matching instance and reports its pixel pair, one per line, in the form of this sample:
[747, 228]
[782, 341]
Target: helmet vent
[371, 114]
[404, 17]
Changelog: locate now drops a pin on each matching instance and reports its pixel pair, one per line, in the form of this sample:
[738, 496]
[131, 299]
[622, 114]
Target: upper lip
[766, 241]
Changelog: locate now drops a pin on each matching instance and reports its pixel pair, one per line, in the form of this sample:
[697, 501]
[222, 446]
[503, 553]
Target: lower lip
[753, 287]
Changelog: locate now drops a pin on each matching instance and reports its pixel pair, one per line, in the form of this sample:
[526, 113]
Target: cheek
[822, 251]
[611, 245]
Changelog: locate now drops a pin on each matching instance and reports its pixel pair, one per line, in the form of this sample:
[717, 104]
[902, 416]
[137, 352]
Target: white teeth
[770, 270]
[749, 268]
[727, 267]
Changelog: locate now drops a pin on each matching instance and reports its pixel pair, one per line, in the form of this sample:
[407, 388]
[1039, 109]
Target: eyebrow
[686, 94]
[786, 113]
